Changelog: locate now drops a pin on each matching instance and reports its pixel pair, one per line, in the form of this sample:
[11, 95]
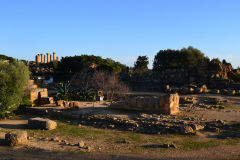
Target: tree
[141, 65]
[184, 58]
[109, 83]
[13, 78]
[69, 66]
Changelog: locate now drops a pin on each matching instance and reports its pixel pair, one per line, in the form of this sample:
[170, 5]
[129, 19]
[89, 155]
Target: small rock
[187, 130]
[81, 144]
[89, 148]
[16, 138]
[173, 145]
[30, 138]
[197, 127]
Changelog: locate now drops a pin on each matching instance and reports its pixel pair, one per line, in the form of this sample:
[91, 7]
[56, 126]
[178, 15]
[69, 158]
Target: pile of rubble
[156, 124]
[193, 89]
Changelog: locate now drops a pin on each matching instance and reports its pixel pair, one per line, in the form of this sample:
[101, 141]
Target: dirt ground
[103, 141]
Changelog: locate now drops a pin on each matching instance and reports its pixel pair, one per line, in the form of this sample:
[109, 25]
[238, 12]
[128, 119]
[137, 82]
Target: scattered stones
[16, 138]
[42, 123]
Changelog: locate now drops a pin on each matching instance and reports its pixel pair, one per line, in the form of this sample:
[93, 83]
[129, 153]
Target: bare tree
[110, 84]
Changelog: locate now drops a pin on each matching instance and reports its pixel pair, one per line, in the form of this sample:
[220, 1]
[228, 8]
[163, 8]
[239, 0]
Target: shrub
[24, 104]
[82, 92]
[13, 78]
[86, 93]
[64, 91]
[235, 77]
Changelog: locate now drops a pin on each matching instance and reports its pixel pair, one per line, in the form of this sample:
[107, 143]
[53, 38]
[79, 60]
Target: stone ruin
[39, 95]
[165, 104]
[42, 123]
[40, 58]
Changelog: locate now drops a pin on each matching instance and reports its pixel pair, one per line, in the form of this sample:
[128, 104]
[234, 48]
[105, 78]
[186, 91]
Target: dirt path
[26, 153]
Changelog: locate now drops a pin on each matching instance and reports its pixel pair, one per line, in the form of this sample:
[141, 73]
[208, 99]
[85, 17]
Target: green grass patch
[193, 145]
[228, 106]
[68, 130]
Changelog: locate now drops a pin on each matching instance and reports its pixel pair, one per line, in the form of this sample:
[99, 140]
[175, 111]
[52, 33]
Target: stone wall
[166, 104]
[36, 93]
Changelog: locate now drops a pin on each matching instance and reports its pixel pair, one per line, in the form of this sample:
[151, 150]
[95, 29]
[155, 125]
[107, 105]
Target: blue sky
[119, 29]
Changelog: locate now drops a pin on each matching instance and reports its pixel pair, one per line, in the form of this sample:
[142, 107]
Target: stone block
[165, 104]
[51, 100]
[43, 101]
[76, 104]
[60, 103]
[16, 138]
[43, 94]
[42, 123]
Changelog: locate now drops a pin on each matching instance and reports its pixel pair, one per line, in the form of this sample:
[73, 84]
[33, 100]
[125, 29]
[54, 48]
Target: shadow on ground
[14, 126]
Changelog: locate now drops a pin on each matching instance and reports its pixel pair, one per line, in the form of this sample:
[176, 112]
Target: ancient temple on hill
[41, 58]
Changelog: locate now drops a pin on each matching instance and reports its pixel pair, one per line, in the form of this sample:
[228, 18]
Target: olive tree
[13, 78]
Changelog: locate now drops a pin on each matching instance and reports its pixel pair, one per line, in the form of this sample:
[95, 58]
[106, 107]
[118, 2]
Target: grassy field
[129, 142]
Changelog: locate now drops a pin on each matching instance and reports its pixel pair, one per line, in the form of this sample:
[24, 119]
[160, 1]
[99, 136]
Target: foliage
[184, 58]
[109, 83]
[141, 65]
[24, 103]
[234, 76]
[68, 66]
[3, 57]
[13, 78]
[86, 93]
[217, 61]
[83, 92]
[64, 91]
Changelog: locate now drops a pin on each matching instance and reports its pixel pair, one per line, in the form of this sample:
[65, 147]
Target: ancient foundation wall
[165, 104]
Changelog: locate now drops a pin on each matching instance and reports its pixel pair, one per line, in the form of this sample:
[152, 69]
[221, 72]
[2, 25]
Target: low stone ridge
[42, 123]
[16, 138]
[166, 104]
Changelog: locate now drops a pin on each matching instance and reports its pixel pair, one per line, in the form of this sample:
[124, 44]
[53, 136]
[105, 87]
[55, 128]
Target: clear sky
[119, 29]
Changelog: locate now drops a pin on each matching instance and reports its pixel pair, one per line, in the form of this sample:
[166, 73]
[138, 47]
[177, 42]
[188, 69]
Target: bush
[24, 104]
[13, 78]
[86, 93]
[82, 92]
[64, 91]
[235, 77]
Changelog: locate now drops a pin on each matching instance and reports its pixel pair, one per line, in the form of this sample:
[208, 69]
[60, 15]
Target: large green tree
[13, 78]
[69, 66]
[184, 58]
